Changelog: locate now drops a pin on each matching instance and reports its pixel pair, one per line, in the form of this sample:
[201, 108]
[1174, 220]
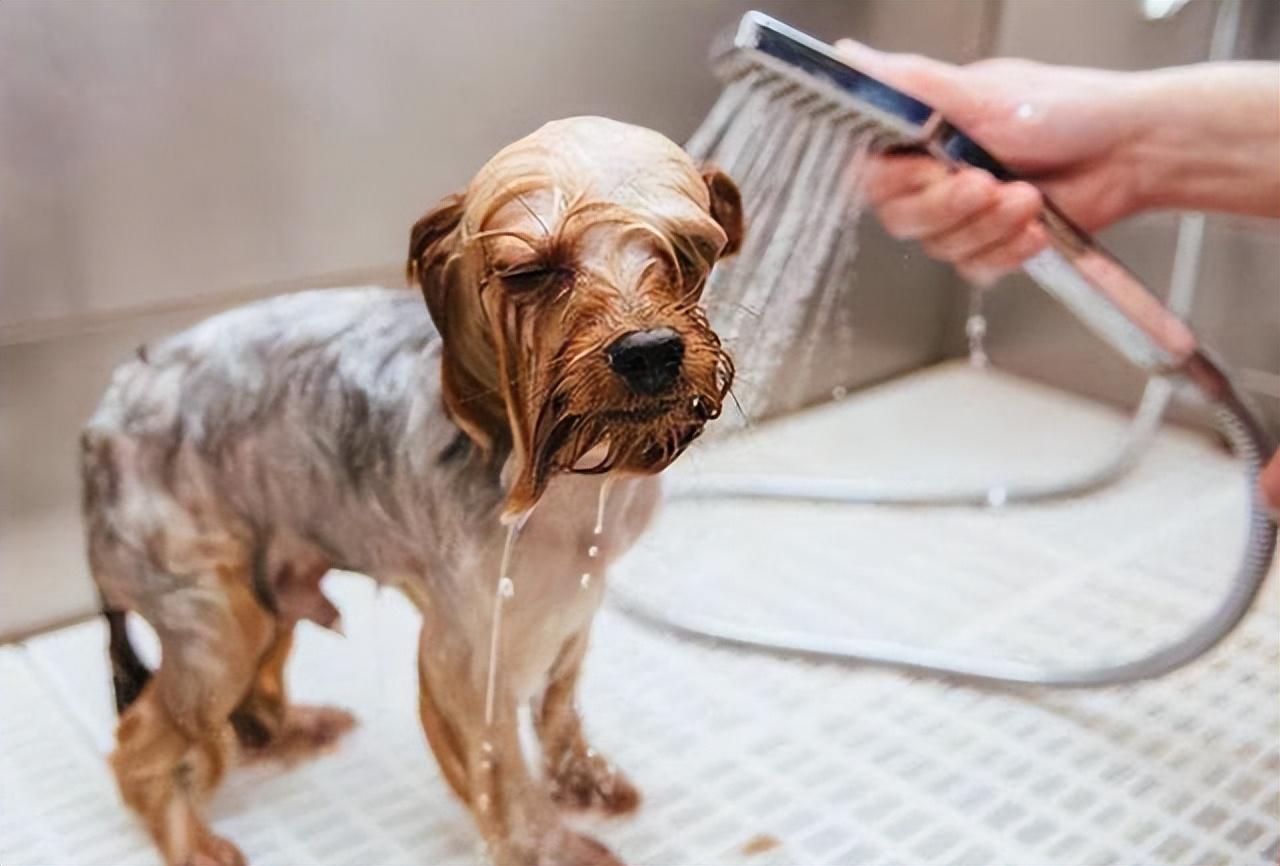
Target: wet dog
[229, 467]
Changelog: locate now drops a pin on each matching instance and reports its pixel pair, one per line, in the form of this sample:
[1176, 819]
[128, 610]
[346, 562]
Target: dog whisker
[745, 420]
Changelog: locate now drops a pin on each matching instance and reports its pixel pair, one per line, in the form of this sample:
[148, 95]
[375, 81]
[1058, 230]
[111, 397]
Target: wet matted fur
[229, 467]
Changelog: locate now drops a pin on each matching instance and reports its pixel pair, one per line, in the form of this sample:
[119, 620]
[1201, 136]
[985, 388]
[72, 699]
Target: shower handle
[1079, 272]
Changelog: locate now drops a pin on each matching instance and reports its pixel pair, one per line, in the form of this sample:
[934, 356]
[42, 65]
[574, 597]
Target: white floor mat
[752, 759]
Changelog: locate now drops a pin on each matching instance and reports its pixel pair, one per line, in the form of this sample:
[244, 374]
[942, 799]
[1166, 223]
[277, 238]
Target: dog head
[565, 283]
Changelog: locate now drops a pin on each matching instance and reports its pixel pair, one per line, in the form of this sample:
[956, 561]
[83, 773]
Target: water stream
[594, 550]
[503, 591]
[798, 164]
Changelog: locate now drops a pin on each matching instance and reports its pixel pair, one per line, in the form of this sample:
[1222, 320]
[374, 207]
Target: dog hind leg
[268, 726]
[173, 742]
[128, 674]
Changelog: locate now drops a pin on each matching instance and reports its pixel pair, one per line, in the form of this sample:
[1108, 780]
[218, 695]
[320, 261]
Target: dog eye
[691, 270]
[695, 258]
[529, 278]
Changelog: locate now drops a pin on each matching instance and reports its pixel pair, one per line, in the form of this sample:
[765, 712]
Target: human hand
[1069, 130]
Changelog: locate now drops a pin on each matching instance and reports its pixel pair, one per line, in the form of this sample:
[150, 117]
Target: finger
[1007, 253]
[1016, 207]
[940, 206]
[890, 177]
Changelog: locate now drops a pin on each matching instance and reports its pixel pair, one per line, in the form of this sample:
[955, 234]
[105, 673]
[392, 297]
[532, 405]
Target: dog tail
[128, 674]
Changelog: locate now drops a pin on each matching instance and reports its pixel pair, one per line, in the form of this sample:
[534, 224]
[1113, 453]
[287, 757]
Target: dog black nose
[648, 361]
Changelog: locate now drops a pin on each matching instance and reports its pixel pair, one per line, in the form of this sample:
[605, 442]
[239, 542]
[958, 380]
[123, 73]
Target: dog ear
[726, 207]
[468, 366]
[426, 252]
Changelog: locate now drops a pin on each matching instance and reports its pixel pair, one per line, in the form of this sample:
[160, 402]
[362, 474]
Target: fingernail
[855, 50]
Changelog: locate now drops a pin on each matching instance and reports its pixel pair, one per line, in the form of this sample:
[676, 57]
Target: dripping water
[594, 550]
[605, 486]
[975, 328]
[503, 591]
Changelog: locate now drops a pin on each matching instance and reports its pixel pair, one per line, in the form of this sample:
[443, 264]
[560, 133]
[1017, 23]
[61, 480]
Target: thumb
[938, 84]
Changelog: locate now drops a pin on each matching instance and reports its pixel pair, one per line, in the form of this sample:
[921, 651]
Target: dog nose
[648, 361]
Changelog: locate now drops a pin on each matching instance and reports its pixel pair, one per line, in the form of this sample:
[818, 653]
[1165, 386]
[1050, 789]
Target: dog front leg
[483, 763]
[579, 776]
[444, 738]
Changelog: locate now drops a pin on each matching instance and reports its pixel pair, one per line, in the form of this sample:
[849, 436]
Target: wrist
[1206, 137]
[1153, 153]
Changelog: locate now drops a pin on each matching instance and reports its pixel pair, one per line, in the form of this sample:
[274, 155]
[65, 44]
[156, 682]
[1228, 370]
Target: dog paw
[574, 849]
[305, 732]
[211, 850]
[591, 782]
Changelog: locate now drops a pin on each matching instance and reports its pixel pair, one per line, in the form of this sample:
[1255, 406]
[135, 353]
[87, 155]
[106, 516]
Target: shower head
[1075, 269]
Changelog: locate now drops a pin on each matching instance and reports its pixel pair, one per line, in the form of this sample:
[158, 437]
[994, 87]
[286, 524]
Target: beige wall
[159, 151]
[160, 161]
[162, 151]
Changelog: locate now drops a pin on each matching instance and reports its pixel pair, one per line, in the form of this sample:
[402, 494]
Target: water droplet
[975, 328]
[593, 551]
[486, 747]
[482, 802]
[506, 587]
[1025, 111]
[997, 496]
[586, 580]
[839, 392]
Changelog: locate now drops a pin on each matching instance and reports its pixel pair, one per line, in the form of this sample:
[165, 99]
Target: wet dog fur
[228, 468]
